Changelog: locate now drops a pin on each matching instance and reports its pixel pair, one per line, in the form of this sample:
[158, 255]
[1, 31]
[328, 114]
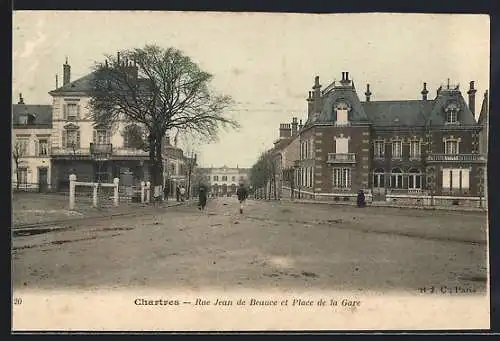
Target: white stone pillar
[148, 192]
[94, 195]
[143, 189]
[72, 180]
[116, 182]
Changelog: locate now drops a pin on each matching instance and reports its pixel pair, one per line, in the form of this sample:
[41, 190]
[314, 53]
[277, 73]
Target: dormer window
[23, 119]
[342, 112]
[451, 113]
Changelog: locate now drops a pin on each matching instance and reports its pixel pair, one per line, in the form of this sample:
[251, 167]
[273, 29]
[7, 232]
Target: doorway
[42, 179]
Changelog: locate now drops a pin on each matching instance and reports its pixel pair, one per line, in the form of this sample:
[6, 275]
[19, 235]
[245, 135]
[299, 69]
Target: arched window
[378, 178]
[414, 179]
[396, 178]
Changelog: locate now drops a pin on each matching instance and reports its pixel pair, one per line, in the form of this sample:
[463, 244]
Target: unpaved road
[272, 245]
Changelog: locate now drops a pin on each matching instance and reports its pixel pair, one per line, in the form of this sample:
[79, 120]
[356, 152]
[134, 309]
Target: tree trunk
[156, 164]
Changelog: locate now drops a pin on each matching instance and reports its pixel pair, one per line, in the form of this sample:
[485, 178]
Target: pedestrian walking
[183, 193]
[361, 198]
[177, 193]
[242, 194]
[202, 198]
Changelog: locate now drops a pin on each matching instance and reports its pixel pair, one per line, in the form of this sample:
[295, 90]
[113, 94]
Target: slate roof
[42, 114]
[81, 85]
[283, 143]
[347, 93]
[409, 113]
[398, 113]
[483, 114]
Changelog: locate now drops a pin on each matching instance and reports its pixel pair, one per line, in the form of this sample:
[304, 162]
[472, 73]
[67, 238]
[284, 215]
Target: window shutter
[77, 139]
[78, 111]
[455, 180]
[65, 111]
[465, 178]
[94, 138]
[64, 138]
[108, 136]
[37, 147]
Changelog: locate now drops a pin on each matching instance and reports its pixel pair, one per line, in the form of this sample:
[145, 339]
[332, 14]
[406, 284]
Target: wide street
[272, 245]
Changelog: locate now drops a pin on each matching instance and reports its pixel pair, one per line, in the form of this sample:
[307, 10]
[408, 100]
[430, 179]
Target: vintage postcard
[204, 171]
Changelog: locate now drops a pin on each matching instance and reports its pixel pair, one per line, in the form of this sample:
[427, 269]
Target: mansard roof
[483, 114]
[341, 93]
[445, 96]
[398, 113]
[42, 115]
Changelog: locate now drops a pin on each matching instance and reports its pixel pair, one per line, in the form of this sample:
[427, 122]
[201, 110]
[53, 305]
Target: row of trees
[263, 176]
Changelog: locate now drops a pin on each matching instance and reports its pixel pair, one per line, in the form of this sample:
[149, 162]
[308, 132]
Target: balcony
[100, 151]
[456, 158]
[130, 152]
[104, 148]
[69, 152]
[341, 158]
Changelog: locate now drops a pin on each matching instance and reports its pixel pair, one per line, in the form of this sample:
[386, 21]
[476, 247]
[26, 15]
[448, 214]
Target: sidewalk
[44, 209]
[386, 204]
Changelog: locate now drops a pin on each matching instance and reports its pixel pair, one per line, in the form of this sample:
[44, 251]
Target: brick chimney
[300, 125]
[368, 92]
[310, 104]
[472, 97]
[294, 126]
[316, 95]
[21, 99]
[66, 73]
[424, 92]
[285, 130]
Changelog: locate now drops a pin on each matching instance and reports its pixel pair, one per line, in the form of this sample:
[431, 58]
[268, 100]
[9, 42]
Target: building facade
[95, 152]
[285, 153]
[31, 131]
[224, 181]
[389, 148]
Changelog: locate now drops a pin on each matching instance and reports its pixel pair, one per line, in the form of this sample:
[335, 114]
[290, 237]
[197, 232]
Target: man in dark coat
[202, 198]
[177, 193]
[165, 192]
[242, 194]
[361, 198]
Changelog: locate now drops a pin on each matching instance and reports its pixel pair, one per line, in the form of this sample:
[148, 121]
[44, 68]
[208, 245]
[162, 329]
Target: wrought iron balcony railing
[341, 158]
[101, 148]
[456, 158]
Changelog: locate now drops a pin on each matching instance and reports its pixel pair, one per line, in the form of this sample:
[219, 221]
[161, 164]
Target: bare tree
[162, 90]
[18, 151]
[262, 173]
[134, 137]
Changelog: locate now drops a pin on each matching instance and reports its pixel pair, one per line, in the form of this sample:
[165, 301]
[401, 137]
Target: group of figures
[241, 193]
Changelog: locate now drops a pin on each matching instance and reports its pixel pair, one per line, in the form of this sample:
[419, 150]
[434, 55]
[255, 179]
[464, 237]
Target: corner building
[394, 150]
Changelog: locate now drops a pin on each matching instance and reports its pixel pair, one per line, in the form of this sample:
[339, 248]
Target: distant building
[31, 131]
[225, 180]
[397, 150]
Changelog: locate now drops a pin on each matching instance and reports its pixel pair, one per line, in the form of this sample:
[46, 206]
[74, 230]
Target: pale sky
[266, 62]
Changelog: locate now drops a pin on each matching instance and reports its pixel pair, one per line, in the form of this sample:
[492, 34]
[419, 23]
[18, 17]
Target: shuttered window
[465, 176]
[341, 145]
